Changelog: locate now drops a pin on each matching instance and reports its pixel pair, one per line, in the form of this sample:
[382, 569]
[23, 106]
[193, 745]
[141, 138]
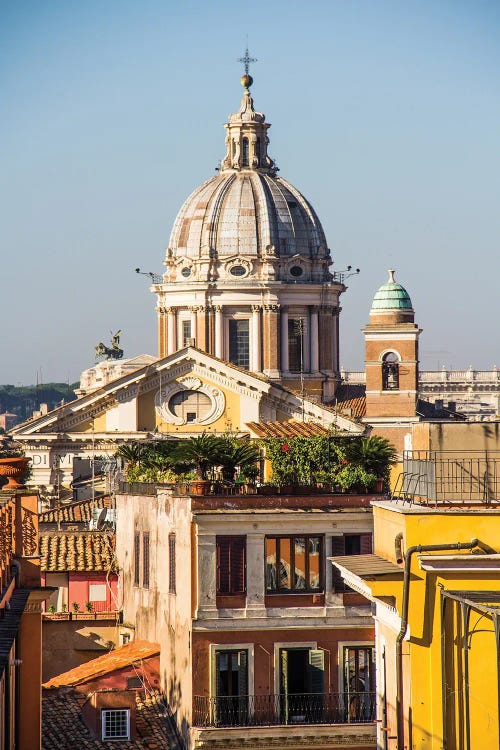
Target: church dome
[246, 212]
[391, 296]
[246, 220]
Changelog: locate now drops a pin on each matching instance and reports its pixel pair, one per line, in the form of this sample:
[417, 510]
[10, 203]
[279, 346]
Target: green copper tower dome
[391, 296]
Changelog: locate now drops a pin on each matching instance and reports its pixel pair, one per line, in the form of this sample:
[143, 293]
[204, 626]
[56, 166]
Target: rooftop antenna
[346, 273]
[156, 278]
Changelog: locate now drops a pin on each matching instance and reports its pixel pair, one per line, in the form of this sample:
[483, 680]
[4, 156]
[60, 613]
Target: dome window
[390, 372]
[296, 271]
[186, 272]
[238, 271]
[190, 406]
[245, 153]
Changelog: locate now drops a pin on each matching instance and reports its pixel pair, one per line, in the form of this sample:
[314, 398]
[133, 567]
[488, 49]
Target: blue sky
[385, 115]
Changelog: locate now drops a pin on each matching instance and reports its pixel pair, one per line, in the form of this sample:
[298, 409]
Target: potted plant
[203, 452]
[13, 464]
[89, 607]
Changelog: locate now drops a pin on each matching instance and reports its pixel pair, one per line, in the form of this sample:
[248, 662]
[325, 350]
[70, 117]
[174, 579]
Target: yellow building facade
[433, 579]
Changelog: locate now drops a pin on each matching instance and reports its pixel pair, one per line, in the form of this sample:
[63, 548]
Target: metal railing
[456, 477]
[275, 710]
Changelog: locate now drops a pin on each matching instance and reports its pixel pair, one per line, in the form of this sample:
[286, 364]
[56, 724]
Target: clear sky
[385, 115]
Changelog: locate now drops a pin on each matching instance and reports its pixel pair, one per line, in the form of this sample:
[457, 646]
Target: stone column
[314, 332]
[218, 331]
[192, 311]
[207, 575]
[171, 337]
[326, 338]
[162, 344]
[256, 363]
[271, 346]
[255, 575]
[201, 331]
[285, 366]
[306, 344]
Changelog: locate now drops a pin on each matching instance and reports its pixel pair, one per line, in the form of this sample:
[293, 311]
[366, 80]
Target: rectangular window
[137, 558]
[295, 345]
[349, 544]
[145, 559]
[171, 563]
[231, 564]
[186, 332]
[239, 343]
[97, 592]
[359, 683]
[116, 724]
[294, 564]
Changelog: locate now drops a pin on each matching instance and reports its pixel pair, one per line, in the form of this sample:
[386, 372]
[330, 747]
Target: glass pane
[300, 563]
[239, 342]
[285, 566]
[314, 562]
[271, 579]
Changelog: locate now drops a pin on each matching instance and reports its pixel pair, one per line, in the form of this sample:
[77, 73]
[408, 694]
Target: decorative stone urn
[15, 469]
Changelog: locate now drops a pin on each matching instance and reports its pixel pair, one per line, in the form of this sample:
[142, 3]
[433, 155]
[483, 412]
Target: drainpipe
[404, 621]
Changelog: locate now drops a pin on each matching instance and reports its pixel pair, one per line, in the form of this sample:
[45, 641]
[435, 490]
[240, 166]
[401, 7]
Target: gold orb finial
[246, 80]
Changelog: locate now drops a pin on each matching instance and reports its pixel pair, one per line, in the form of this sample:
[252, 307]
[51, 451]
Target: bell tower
[391, 355]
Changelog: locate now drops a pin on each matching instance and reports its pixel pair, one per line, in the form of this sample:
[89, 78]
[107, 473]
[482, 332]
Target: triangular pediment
[150, 399]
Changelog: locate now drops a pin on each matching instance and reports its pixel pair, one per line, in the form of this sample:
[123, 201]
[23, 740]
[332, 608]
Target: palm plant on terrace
[203, 452]
[374, 454]
[238, 454]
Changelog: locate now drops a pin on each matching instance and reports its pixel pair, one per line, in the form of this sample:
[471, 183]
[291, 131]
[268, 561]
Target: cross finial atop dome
[247, 80]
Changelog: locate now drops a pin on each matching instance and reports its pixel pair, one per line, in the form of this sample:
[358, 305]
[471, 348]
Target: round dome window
[296, 271]
[238, 271]
[186, 272]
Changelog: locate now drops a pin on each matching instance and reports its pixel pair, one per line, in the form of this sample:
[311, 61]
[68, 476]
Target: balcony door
[231, 683]
[302, 685]
[359, 683]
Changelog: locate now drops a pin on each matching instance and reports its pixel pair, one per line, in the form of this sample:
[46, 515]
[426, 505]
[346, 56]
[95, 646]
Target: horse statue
[110, 352]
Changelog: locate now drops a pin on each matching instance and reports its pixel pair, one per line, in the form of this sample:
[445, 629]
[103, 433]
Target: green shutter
[316, 671]
[284, 686]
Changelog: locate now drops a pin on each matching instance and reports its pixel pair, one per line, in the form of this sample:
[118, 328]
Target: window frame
[137, 559]
[172, 571]
[145, 559]
[307, 589]
[104, 713]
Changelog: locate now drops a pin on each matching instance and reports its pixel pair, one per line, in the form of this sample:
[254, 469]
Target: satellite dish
[101, 521]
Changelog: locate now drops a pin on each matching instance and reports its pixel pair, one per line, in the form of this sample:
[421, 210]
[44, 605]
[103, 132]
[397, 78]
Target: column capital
[272, 308]
[217, 308]
[170, 310]
[314, 308]
[256, 308]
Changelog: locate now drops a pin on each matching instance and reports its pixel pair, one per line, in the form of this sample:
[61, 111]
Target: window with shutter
[137, 558]
[338, 550]
[171, 564]
[145, 559]
[349, 544]
[231, 577]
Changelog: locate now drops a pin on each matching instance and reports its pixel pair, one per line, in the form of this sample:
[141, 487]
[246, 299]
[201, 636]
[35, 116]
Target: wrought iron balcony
[274, 710]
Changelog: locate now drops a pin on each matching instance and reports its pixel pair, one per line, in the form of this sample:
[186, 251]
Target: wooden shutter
[145, 559]
[171, 564]
[231, 564]
[316, 671]
[365, 544]
[242, 673]
[137, 558]
[338, 550]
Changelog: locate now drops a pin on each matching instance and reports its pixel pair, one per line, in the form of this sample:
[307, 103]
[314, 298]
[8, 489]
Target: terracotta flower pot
[14, 468]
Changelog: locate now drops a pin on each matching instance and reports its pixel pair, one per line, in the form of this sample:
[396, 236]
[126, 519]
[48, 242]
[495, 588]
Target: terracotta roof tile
[91, 551]
[78, 512]
[352, 407]
[118, 659]
[63, 726]
[286, 429]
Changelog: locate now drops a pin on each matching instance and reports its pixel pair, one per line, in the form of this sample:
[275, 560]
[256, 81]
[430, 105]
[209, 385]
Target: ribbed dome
[392, 296]
[246, 213]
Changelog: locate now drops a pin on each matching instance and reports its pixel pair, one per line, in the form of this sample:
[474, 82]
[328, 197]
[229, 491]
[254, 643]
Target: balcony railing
[273, 710]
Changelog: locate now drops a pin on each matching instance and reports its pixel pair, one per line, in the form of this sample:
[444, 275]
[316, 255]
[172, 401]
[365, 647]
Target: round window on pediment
[190, 406]
[296, 271]
[186, 272]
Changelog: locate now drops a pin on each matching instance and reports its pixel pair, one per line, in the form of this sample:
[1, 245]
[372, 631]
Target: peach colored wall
[327, 639]
[79, 588]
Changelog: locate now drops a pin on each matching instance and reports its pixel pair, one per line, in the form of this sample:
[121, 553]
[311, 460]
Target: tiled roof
[352, 407]
[63, 726]
[79, 512]
[91, 551]
[286, 429]
[118, 659]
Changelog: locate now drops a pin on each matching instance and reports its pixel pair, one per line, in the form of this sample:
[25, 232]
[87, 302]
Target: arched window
[244, 153]
[390, 372]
